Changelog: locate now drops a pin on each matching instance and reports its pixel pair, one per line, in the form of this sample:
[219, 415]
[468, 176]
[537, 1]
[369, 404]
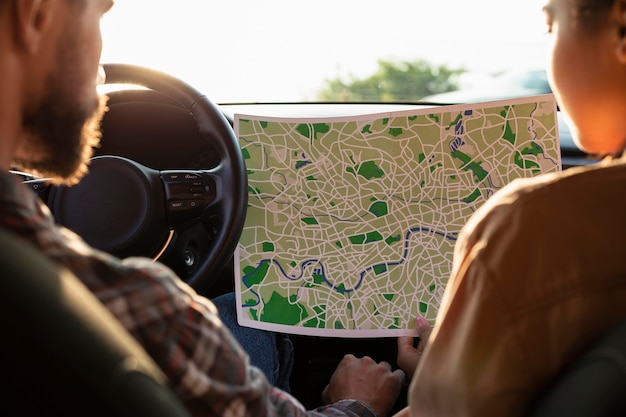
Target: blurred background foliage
[402, 81]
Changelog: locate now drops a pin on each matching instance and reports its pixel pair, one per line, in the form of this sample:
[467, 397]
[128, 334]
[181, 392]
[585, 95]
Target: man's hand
[410, 355]
[365, 380]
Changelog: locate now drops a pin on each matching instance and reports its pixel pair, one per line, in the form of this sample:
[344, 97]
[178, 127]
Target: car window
[328, 50]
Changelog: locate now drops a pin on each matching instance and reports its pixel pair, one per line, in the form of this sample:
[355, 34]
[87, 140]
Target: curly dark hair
[589, 14]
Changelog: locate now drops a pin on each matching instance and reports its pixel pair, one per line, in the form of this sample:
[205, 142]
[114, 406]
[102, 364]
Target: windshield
[333, 50]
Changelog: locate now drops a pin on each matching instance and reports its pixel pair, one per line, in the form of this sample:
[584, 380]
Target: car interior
[177, 74]
[162, 136]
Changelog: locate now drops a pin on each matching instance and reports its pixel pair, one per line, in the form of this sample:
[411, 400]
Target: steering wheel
[128, 209]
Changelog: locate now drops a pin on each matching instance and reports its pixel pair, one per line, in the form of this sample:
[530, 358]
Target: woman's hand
[409, 355]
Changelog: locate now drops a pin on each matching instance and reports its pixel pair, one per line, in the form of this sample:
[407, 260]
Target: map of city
[352, 221]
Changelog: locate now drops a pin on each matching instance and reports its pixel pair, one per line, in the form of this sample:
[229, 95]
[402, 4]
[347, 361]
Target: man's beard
[61, 139]
[61, 132]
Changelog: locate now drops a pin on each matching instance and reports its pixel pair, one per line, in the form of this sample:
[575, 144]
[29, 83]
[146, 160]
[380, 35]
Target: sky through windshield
[283, 50]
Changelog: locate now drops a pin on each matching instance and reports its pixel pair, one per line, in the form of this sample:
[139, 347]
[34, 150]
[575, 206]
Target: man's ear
[32, 18]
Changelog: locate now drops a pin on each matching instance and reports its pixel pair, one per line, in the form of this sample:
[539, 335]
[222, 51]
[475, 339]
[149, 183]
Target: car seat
[63, 353]
[594, 385]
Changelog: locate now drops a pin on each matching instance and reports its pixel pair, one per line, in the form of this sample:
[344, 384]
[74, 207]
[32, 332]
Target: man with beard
[49, 119]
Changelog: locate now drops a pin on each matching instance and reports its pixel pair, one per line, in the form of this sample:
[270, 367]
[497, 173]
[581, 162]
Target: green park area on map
[352, 221]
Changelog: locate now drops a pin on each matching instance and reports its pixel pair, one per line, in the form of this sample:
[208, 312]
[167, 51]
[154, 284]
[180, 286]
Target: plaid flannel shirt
[180, 329]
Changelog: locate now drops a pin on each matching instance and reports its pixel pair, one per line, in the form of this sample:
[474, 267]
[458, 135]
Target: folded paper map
[352, 221]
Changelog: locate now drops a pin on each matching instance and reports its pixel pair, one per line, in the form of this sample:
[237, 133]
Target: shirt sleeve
[208, 368]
